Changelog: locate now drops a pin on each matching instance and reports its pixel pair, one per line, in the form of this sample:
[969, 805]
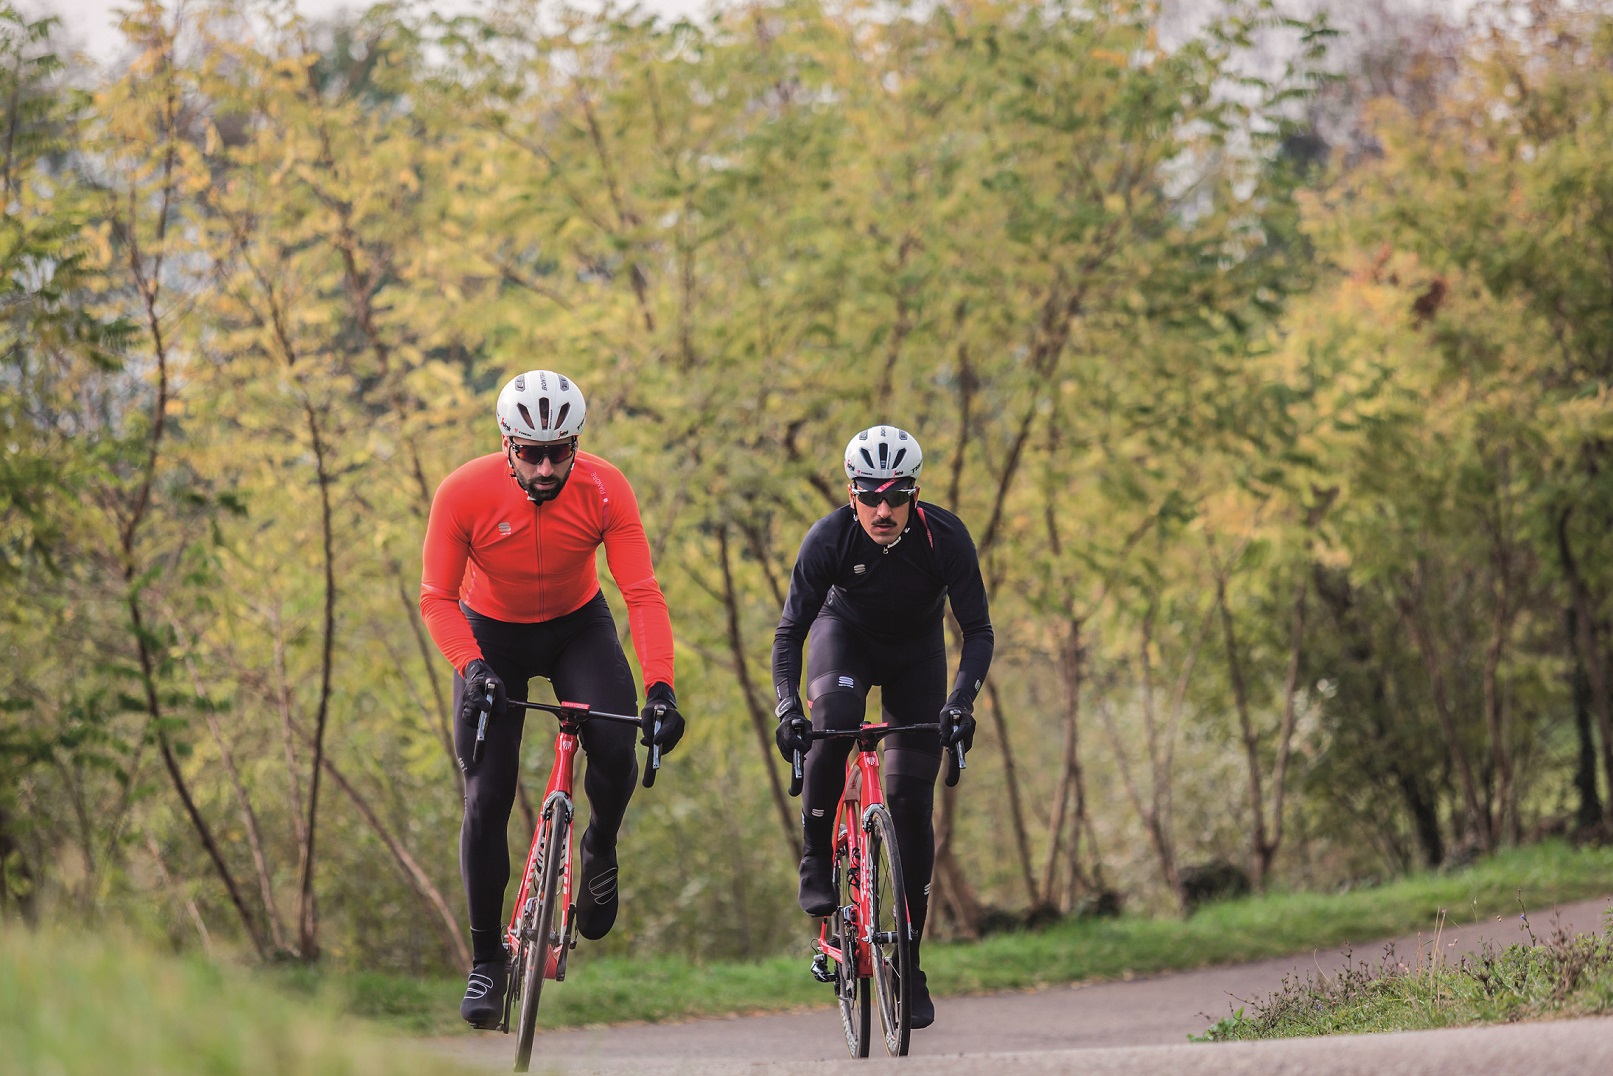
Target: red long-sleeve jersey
[512, 560]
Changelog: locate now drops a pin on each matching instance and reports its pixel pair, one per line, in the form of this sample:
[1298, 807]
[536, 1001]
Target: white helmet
[540, 405]
[883, 452]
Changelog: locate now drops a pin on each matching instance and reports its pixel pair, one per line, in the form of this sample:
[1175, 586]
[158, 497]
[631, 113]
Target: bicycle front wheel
[851, 989]
[539, 937]
[890, 942]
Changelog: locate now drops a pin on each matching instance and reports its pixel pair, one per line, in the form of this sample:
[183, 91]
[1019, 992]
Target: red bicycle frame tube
[863, 790]
[559, 787]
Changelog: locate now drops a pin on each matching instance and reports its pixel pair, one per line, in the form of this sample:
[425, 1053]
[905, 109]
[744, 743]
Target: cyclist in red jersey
[509, 591]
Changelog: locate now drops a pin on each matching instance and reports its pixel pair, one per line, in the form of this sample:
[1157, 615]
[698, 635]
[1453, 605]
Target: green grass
[1560, 975]
[72, 1005]
[617, 990]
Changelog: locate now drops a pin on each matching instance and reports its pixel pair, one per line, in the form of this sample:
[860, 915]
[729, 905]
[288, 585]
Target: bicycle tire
[851, 989]
[889, 940]
[536, 947]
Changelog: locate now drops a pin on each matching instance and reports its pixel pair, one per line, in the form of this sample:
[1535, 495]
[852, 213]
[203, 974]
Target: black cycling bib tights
[581, 655]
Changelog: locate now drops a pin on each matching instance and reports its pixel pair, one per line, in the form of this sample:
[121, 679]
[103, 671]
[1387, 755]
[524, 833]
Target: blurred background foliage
[1266, 357]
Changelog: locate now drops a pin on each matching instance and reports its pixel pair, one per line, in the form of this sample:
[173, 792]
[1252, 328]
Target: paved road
[1139, 1026]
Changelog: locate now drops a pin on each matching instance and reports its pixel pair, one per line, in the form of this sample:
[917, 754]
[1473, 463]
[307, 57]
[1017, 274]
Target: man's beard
[539, 495]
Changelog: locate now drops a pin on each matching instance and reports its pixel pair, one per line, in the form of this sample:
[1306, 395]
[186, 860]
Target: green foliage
[1283, 477]
[84, 1004]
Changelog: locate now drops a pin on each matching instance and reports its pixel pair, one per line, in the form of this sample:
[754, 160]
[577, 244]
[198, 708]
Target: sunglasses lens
[535, 454]
[893, 497]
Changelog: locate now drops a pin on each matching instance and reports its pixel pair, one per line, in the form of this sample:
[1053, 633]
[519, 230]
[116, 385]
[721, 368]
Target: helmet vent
[884, 454]
[560, 419]
[543, 411]
[866, 457]
[901, 455]
[526, 416]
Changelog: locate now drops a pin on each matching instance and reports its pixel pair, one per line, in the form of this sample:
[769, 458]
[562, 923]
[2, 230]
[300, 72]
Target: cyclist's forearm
[786, 665]
[449, 629]
[973, 664]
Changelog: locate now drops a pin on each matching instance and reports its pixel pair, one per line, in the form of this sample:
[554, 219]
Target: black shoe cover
[483, 1006]
[596, 890]
[920, 1008]
[817, 884]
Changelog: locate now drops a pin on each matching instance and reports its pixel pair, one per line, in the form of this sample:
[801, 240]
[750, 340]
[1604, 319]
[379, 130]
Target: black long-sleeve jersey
[895, 591]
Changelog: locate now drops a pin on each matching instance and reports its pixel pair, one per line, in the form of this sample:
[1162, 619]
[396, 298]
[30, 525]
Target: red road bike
[868, 939]
[543, 920]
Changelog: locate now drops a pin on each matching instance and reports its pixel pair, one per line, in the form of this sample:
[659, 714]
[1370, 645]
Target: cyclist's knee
[839, 699]
[909, 797]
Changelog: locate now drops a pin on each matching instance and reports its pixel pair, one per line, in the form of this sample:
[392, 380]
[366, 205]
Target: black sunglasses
[554, 453]
[893, 497]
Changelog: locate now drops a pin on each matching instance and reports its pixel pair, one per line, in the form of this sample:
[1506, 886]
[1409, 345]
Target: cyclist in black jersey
[870, 584]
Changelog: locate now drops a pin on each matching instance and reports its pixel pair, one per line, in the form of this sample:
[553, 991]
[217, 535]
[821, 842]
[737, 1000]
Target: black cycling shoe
[597, 890]
[921, 1010]
[483, 1006]
[817, 884]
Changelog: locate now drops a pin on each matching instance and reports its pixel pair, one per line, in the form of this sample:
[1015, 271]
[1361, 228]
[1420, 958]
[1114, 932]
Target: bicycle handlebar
[580, 712]
[955, 760]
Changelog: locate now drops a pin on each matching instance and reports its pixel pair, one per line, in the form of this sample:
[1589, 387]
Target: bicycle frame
[851, 937]
[864, 790]
[558, 790]
[543, 915]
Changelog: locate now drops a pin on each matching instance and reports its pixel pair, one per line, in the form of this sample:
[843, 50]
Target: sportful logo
[858, 569]
[603, 886]
[846, 681]
[503, 528]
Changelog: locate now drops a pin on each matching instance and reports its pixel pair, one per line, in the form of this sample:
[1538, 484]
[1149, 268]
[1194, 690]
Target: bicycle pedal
[820, 969]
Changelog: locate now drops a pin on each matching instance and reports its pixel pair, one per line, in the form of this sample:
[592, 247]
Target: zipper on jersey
[537, 549]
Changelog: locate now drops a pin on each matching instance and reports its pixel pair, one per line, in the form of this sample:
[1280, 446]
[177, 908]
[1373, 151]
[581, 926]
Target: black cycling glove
[793, 727]
[958, 725]
[479, 676]
[661, 705]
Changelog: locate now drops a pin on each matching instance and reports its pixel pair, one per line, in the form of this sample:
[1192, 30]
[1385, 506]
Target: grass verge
[1560, 975]
[72, 1005]
[619, 990]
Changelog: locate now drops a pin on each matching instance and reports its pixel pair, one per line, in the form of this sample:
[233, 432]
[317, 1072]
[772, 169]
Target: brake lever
[481, 725]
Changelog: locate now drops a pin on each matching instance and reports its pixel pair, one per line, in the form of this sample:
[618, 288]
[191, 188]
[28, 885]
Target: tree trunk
[1590, 654]
[1285, 733]
[951, 894]
[1251, 741]
[1589, 813]
[1071, 783]
[1478, 817]
[764, 739]
[418, 879]
[308, 914]
[1016, 810]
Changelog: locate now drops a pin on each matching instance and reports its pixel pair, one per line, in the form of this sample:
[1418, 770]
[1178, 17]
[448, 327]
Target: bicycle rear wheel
[890, 942]
[850, 989]
[538, 929]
